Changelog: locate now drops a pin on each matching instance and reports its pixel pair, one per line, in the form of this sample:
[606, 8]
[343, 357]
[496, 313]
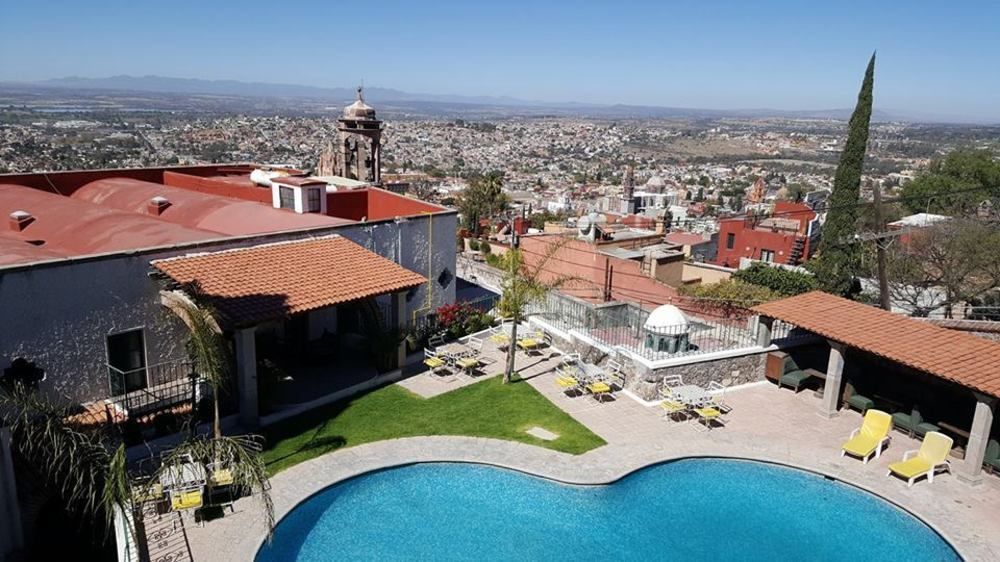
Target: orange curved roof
[14, 249]
[66, 225]
[194, 209]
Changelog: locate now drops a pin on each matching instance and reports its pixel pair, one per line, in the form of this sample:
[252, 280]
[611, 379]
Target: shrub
[486, 248]
[474, 244]
[783, 281]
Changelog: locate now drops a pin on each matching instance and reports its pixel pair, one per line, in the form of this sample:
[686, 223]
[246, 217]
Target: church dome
[359, 109]
[667, 317]
[656, 182]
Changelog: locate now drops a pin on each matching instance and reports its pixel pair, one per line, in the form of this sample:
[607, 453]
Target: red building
[783, 237]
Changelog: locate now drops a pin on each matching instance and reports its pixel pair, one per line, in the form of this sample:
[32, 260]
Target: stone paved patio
[765, 424]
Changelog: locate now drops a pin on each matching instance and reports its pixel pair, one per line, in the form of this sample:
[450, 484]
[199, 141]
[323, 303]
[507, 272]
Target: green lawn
[484, 409]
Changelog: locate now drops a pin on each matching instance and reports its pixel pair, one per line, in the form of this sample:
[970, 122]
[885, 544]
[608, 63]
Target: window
[313, 203]
[127, 361]
[767, 255]
[730, 241]
[286, 198]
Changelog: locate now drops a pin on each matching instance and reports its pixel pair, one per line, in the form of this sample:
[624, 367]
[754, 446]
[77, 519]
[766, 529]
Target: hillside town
[216, 321]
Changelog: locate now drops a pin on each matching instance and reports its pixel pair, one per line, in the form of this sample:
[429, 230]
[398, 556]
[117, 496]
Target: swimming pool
[687, 509]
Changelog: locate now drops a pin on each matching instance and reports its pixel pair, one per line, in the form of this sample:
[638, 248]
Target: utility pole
[883, 280]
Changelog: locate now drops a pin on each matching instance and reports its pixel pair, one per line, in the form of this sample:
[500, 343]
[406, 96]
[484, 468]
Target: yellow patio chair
[434, 362]
[467, 364]
[188, 499]
[527, 344]
[221, 477]
[672, 409]
[150, 493]
[707, 415]
[567, 383]
[871, 437]
[599, 390]
[932, 455]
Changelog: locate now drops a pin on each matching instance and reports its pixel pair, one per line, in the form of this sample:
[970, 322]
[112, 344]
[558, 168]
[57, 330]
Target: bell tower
[360, 142]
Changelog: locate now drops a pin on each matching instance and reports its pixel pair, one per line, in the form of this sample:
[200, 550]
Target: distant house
[786, 236]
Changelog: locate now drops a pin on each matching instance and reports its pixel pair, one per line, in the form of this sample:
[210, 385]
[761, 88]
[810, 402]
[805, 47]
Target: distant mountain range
[376, 95]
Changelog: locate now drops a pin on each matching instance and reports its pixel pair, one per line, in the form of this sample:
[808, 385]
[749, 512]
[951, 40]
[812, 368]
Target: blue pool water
[693, 509]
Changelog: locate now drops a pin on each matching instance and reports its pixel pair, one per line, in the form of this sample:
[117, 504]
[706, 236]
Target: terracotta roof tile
[250, 285]
[959, 357]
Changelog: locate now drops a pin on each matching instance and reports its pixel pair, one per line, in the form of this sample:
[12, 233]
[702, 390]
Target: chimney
[19, 220]
[157, 205]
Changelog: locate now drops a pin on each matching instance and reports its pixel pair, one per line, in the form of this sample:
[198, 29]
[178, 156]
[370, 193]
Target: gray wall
[60, 314]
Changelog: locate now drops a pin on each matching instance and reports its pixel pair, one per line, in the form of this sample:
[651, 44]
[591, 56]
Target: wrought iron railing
[138, 394]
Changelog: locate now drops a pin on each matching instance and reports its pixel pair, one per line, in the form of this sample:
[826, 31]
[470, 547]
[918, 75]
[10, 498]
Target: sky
[935, 59]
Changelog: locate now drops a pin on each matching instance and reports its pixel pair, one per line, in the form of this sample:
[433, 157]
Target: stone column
[764, 326]
[11, 537]
[970, 470]
[246, 376]
[399, 321]
[834, 376]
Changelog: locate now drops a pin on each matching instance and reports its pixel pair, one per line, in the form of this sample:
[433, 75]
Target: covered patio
[308, 302]
[912, 357]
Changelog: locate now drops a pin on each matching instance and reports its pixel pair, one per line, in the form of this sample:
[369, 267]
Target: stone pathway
[765, 424]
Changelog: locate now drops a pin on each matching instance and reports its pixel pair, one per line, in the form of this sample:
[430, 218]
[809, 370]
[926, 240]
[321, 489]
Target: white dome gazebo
[666, 329]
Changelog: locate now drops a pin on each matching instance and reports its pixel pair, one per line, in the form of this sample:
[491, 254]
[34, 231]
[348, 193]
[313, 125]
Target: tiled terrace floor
[765, 424]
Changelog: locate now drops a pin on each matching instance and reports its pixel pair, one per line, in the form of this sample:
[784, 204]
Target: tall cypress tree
[839, 258]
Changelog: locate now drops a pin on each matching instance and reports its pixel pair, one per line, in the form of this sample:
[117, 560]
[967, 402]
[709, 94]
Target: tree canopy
[941, 266]
[783, 281]
[955, 184]
[483, 198]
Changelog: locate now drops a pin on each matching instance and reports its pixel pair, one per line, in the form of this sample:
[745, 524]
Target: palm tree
[522, 286]
[82, 462]
[210, 358]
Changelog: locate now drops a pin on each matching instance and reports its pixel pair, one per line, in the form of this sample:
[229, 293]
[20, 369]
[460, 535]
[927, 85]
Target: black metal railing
[139, 394]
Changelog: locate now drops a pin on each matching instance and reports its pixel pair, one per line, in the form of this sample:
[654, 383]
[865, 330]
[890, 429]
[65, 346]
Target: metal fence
[622, 324]
[140, 394]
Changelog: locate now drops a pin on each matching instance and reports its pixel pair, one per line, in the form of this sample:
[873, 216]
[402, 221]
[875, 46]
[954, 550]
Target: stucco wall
[59, 315]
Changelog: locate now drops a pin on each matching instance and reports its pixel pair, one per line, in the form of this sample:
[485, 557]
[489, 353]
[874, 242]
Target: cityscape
[606, 295]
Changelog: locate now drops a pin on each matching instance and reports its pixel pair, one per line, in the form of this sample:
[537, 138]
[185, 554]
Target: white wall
[60, 314]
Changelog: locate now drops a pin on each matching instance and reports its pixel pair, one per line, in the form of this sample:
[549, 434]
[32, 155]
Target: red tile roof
[958, 357]
[251, 285]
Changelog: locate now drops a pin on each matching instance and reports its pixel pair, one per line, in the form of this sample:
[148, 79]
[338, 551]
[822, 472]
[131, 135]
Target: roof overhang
[948, 354]
[247, 286]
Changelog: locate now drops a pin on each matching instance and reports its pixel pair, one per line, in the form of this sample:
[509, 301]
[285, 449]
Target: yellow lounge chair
[871, 437]
[932, 455]
[189, 499]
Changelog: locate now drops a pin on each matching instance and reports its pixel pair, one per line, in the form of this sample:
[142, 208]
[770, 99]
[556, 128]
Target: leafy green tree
[483, 198]
[782, 281]
[839, 258]
[731, 297]
[955, 184]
